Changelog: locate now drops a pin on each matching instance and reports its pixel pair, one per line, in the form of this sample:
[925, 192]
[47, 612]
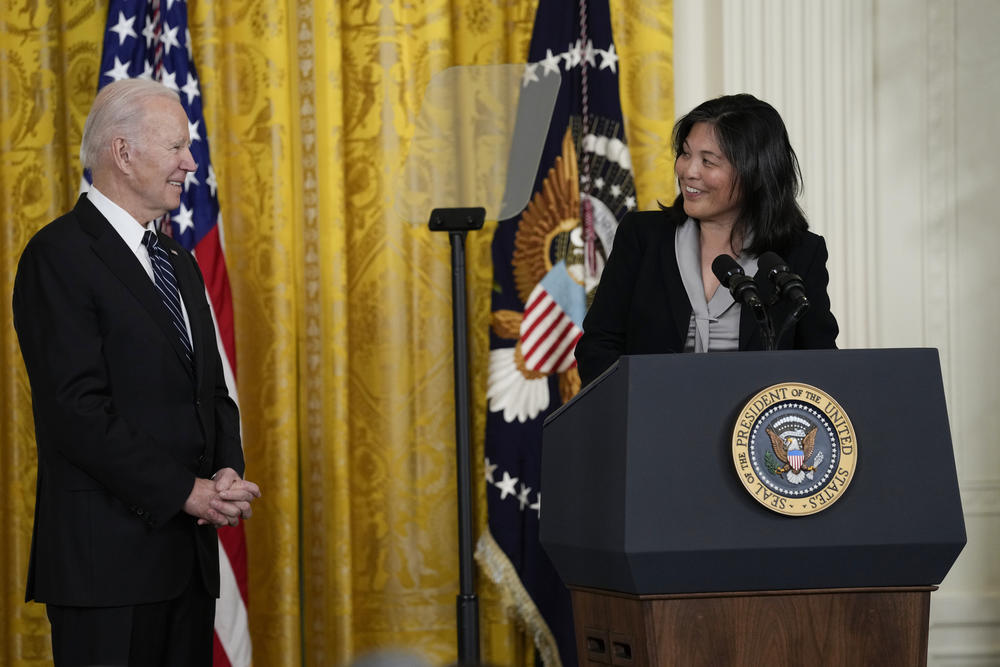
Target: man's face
[162, 158]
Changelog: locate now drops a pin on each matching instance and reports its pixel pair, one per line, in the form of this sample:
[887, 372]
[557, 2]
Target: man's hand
[234, 489]
[204, 503]
[221, 501]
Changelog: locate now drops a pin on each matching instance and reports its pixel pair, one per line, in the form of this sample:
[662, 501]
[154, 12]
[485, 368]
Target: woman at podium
[738, 178]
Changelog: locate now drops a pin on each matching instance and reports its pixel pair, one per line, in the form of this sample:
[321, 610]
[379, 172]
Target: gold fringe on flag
[515, 598]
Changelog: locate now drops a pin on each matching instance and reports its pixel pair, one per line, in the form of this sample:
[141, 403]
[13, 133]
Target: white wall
[892, 108]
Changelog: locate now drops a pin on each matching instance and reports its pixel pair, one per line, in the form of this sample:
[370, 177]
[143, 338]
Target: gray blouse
[715, 324]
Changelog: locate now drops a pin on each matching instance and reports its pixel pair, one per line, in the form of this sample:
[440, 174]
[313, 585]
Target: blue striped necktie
[166, 285]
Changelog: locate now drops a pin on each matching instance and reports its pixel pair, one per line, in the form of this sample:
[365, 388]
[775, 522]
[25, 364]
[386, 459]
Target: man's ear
[122, 153]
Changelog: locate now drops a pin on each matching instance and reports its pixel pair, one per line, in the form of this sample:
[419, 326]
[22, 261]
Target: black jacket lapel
[108, 245]
[677, 298]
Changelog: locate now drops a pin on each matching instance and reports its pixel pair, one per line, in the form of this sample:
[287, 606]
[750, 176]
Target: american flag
[150, 39]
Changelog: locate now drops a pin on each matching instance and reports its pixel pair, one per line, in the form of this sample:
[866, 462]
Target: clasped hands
[222, 500]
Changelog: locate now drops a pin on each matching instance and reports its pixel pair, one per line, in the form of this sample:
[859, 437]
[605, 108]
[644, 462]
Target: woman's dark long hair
[753, 138]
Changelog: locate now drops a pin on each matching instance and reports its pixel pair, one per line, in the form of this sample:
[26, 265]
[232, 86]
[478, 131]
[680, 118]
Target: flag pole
[458, 222]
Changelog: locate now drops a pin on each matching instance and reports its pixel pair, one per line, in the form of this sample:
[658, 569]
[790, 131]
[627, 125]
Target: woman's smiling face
[706, 178]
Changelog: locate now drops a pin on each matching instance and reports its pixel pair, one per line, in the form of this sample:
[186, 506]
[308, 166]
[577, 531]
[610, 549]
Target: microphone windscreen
[725, 267]
[769, 261]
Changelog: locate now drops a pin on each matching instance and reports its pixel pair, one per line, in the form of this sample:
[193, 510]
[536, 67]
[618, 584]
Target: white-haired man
[139, 454]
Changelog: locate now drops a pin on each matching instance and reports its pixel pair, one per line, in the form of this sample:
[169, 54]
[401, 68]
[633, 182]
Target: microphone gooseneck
[787, 285]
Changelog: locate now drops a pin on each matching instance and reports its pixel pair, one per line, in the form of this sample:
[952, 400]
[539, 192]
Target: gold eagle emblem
[553, 211]
[792, 441]
[551, 215]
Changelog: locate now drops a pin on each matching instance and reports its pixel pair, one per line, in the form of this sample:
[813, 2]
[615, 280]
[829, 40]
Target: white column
[813, 61]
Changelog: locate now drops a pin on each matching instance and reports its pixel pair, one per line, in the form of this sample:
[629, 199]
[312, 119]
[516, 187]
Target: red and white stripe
[232, 646]
[548, 335]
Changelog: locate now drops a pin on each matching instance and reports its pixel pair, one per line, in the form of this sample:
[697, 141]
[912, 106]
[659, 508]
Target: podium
[671, 561]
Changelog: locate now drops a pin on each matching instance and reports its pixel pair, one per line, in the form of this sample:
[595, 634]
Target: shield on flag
[552, 323]
[795, 458]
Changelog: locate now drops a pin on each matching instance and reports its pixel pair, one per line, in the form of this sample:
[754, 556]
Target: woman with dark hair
[738, 178]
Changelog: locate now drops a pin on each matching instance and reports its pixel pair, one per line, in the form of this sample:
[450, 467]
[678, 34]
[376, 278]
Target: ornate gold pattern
[506, 323]
[343, 319]
[569, 384]
[554, 210]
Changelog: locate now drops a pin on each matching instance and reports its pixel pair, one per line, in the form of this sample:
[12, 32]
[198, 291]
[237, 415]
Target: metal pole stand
[458, 222]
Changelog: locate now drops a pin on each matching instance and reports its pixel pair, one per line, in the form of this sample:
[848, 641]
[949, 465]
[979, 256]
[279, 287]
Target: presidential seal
[794, 449]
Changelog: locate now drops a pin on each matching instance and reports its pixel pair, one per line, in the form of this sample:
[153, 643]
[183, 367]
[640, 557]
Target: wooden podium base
[843, 626]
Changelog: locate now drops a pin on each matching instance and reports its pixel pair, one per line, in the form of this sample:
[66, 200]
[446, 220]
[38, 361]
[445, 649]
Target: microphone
[744, 290]
[787, 284]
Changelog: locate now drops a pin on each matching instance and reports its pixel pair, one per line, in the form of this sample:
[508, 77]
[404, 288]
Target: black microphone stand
[766, 326]
[791, 319]
[787, 285]
[458, 222]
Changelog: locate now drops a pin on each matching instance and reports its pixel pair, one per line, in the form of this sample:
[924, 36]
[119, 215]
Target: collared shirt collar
[127, 227]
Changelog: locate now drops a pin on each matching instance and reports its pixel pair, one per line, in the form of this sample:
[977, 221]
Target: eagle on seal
[793, 448]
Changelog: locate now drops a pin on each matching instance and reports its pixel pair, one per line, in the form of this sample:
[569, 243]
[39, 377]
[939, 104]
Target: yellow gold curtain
[343, 318]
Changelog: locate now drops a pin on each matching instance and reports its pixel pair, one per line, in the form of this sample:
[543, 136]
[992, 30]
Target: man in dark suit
[139, 454]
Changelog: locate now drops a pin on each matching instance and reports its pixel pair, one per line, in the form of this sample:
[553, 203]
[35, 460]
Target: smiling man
[139, 453]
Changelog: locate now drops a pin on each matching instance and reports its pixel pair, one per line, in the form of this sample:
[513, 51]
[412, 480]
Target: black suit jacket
[641, 307]
[123, 423]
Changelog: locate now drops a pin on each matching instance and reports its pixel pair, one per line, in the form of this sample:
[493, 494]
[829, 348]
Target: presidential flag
[150, 39]
[546, 264]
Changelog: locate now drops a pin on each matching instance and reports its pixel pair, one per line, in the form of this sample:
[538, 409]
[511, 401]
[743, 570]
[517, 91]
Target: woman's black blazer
[641, 306]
